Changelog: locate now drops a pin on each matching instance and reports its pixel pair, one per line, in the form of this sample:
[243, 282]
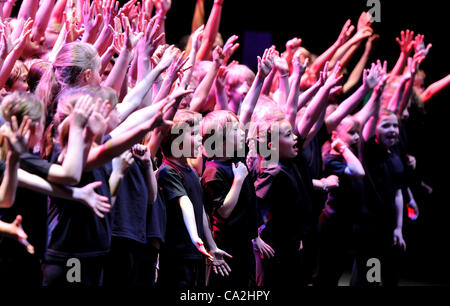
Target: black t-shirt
[74, 229]
[346, 200]
[32, 206]
[285, 204]
[384, 176]
[157, 219]
[242, 224]
[176, 181]
[129, 214]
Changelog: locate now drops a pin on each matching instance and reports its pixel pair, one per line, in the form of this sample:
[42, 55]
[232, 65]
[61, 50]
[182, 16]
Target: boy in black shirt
[181, 262]
[230, 197]
[381, 219]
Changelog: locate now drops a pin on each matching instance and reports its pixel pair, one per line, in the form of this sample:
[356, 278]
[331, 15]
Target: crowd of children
[163, 167]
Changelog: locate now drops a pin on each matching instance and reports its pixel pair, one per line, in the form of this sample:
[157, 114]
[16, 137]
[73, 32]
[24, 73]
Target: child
[230, 197]
[181, 261]
[380, 223]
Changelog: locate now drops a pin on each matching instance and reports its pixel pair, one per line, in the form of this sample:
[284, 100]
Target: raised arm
[298, 70]
[282, 68]
[28, 9]
[406, 43]
[199, 15]
[15, 54]
[435, 88]
[346, 31]
[371, 106]
[319, 101]
[211, 30]
[93, 22]
[370, 79]
[42, 19]
[69, 173]
[265, 65]
[137, 94]
[118, 73]
[357, 71]
[202, 90]
[17, 138]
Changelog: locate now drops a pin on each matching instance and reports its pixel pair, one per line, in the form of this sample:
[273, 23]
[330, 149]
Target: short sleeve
[335, 166]
[171, 183]
[264, 184]
[215, 188]
[35, 165]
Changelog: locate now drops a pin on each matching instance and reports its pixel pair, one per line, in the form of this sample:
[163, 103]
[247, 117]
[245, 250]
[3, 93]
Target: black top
[242, 224]
[129, 213]
[176, 181]
[31, 205]
[74, 229]
[285, 204]
[384, 176]
[157, 219]
[346, 200]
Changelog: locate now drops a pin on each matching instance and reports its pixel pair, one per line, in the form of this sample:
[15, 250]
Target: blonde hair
[20, 104]
[237, 74]
[71, 62]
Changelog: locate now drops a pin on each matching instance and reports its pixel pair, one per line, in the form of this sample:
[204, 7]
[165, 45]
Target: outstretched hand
[219, 264]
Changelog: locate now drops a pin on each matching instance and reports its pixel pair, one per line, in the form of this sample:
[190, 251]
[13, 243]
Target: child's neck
[180, 161]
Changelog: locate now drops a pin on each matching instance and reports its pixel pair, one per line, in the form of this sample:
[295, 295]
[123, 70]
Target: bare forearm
[202, 91]
[250, 100]
[231, 199]
[119, 71]
[42, 19]
[313, 111]
[9, 183]
[354, 166]
[356, 73]
[400, 65]
[283, 87]
[435, 88]
[28, 9]
[187, 211]
[307, 96]
[199, 15]
[323, 58]
[399, 209]
[346, 107]
[106, 59]
[211, 30]
[57, 12]
[268, 83]
[104, 40]
[291, 107]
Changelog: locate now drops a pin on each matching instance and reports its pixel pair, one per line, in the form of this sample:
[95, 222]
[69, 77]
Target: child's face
[348, 132]
[237, 92]
[387, 130]
[287, 141]
[21, 83]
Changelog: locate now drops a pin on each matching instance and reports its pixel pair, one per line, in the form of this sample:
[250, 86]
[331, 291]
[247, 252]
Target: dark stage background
[260, 23]
[318, 23]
